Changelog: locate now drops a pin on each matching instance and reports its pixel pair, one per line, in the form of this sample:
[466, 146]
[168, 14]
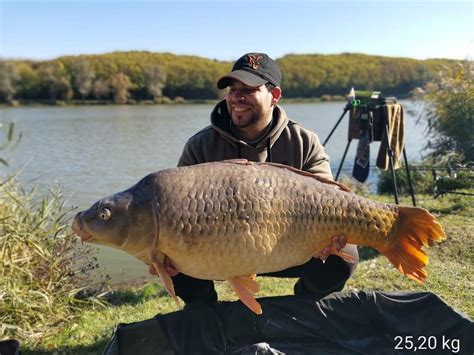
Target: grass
[450, 269]
[449, 276]
[41, 267]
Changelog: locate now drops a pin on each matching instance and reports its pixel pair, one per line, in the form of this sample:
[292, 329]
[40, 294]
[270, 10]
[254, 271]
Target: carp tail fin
[417, 228]
[245, 287]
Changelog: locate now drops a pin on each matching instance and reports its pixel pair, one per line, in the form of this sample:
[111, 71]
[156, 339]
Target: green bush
[422, 180]
[42, 269]
[449, 113]
[462, 180]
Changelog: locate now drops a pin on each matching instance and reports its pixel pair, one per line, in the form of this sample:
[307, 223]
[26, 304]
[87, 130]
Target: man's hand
[338, 243]
[169, 268]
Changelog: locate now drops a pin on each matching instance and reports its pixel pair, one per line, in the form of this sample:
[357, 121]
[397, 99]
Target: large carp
[234, 219]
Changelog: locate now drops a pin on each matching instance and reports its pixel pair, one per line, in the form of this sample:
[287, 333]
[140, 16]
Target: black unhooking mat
[341, 323]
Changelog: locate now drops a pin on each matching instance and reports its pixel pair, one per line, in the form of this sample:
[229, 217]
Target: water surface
[95, 151]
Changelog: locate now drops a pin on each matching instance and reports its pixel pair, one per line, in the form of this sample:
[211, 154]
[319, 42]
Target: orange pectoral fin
[245, 287]
[344, 256]
[165, 280]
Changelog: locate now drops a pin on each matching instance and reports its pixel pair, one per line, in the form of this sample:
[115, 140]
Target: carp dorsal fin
[305, 173]
[237, 161]
[295, 170]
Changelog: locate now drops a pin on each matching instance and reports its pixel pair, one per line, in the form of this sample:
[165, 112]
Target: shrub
[462, 180]
[449, 112]
[41, 267]
[422, 180]
[163, 100]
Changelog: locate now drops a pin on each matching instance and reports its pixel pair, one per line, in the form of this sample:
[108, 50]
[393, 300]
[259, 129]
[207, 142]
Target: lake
[94, 151]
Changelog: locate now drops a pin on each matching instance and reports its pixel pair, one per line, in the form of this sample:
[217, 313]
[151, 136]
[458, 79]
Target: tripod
[390, 152]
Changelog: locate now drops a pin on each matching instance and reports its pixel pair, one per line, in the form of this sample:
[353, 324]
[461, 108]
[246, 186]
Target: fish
[235, 219]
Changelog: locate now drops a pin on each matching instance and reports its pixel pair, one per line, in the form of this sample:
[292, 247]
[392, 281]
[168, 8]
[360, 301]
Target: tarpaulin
[341, 323]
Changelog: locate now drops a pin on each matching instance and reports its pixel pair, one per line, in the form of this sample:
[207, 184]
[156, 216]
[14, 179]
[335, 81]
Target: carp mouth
[81, 232]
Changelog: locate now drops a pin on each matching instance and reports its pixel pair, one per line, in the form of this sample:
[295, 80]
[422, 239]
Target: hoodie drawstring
[269, 151]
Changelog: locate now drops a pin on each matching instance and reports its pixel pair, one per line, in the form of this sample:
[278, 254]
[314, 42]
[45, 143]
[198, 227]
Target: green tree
[54, 81]
[28, 83]
[449, 113]
[192, 77]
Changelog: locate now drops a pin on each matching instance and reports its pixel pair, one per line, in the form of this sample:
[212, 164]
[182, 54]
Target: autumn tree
[119, 86]
[155, 79]
[192, 77]
[8, 77]
[101, 89]
[82, 77]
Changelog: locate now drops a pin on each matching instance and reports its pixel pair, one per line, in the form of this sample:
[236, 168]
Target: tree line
[124, 76]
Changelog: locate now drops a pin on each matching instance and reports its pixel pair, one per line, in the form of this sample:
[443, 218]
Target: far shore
[177, 101]
[164, 101]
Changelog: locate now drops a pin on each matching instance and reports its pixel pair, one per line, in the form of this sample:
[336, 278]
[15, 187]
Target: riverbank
[161, 101]
[449, 276]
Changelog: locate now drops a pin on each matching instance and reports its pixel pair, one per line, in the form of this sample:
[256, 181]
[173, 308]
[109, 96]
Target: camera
[367, 112]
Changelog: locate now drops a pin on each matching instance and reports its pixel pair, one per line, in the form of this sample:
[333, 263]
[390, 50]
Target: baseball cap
[253, 69]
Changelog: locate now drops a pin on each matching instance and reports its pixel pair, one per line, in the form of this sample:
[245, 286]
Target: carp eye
[105, 214]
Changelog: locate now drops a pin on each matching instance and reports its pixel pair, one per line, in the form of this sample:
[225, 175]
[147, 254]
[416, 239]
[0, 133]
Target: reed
[42, 270]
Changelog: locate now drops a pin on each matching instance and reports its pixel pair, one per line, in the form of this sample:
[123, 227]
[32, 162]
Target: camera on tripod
[375, 118]
[367, 114]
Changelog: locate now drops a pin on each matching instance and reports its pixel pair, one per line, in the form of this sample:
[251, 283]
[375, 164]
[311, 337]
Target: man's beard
[254, 119]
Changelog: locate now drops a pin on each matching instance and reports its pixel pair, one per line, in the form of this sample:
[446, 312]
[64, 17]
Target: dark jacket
[285, 143]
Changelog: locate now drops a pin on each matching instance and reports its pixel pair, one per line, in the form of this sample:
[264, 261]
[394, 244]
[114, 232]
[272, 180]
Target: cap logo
[254, 60]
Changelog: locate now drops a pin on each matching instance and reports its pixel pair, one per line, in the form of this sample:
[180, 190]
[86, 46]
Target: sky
[225, 30]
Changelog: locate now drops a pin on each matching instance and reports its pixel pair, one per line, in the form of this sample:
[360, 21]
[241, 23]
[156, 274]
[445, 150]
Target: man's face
[251, 107]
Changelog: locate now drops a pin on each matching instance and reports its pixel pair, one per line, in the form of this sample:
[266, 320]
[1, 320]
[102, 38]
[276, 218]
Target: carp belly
[245, 221]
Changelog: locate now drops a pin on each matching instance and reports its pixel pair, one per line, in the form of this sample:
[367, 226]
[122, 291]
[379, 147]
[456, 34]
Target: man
[249, 124]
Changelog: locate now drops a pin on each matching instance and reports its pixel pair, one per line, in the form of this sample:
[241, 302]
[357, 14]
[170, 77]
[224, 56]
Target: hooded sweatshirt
[284, 142]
